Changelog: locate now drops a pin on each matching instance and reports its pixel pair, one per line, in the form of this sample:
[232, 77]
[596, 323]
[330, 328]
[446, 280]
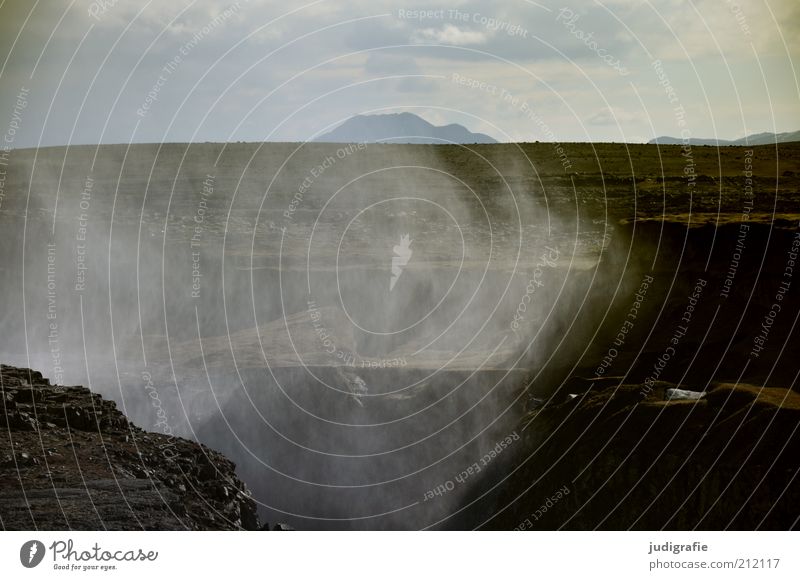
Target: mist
[359, 327]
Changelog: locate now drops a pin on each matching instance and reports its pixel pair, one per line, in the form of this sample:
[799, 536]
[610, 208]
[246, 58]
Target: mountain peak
[401, 127]
[755, 139]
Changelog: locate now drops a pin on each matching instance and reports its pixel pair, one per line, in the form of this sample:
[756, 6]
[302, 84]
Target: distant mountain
[756, 139]
[400, 128]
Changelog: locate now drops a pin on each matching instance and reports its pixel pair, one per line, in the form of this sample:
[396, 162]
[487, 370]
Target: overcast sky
[90, 71]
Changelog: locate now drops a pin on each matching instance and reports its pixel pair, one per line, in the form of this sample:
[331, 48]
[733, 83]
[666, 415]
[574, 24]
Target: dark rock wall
[71, 460]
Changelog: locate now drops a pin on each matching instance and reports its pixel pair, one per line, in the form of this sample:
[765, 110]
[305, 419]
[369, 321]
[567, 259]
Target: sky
[119, 71]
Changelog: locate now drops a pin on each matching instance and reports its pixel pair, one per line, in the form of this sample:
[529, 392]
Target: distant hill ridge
[400, 128]
[755, 139]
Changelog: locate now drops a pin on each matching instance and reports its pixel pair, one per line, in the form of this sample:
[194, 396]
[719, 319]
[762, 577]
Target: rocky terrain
[71, 460]
[603, 445]
[261, 305]
[619, 456]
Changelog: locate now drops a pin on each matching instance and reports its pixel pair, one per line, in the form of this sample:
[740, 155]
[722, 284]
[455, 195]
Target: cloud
[547, 67]
[416, 85]
[449, 34]
[381, 64]
[614, 116]
[388, 63]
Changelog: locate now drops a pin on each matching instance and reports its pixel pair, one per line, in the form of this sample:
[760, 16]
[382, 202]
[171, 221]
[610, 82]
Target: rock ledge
[71, 460]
